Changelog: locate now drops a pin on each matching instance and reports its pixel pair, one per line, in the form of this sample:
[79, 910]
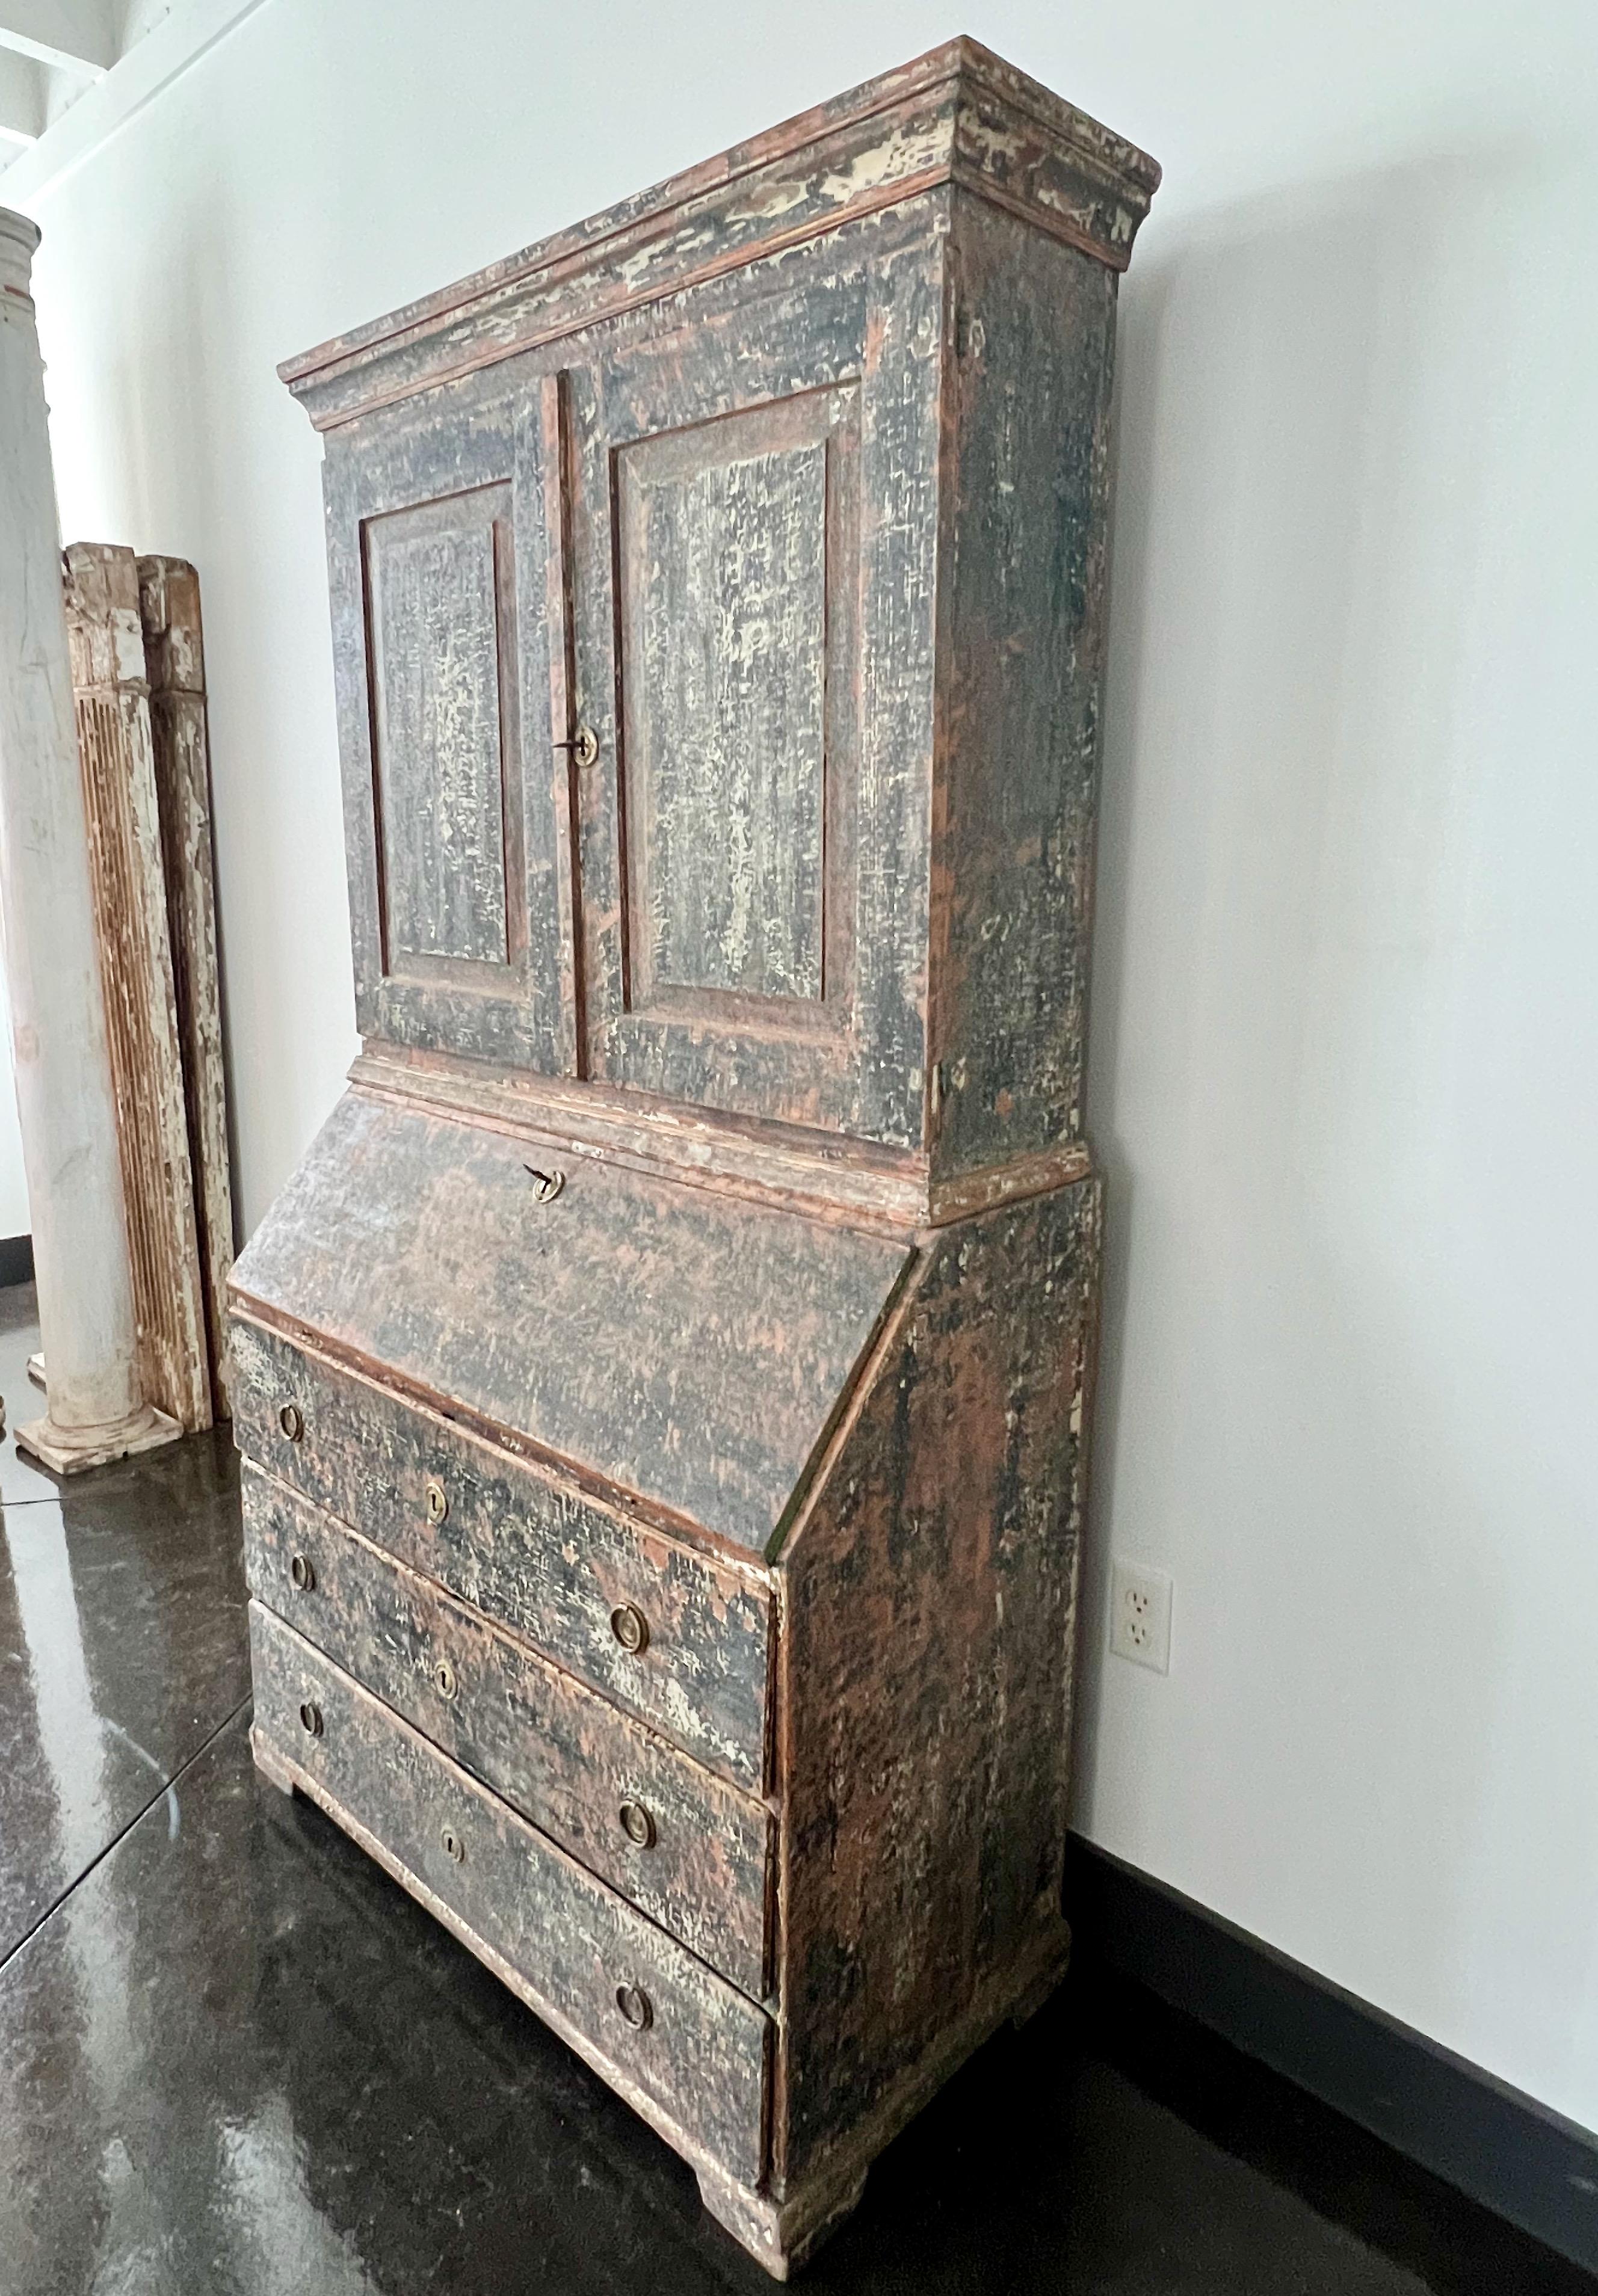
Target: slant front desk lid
[690, 1348]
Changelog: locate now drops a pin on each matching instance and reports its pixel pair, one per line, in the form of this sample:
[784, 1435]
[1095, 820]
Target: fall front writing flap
[687, 1347]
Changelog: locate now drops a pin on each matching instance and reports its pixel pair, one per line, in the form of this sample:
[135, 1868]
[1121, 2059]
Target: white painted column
[96, 1411]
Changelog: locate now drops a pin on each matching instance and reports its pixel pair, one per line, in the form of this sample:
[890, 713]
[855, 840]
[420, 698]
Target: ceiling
[52, 52]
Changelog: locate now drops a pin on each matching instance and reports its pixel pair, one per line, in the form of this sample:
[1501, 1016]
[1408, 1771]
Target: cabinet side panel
[927, 1608]
[1024, 554]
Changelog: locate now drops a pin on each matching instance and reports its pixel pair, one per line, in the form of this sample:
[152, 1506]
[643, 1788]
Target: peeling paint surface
[731, 624]
[679, 1343]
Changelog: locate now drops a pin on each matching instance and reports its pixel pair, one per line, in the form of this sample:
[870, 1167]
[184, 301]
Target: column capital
[19, 237]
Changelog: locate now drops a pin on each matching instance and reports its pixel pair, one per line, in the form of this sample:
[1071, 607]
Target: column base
[69, 1450]
[36, 1370]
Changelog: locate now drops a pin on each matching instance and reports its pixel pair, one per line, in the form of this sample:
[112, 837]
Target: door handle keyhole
[584, 745]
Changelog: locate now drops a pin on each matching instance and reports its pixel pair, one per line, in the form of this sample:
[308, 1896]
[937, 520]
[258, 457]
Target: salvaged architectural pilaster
[97, 1407]
[112, 707]
[175, 665]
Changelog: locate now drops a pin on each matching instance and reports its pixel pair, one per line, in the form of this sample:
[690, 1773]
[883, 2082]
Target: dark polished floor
[236, 2060]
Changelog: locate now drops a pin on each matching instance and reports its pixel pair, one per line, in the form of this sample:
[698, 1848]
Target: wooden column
[97, 1410]
[105, 640]
[175, 665]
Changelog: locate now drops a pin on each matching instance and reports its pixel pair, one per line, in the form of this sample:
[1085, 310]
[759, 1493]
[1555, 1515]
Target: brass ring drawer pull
[451, 1844]
[635, 2007]
[311, 1718]
[303, 1572]
[445, 1680]
[630, 1627]
[291, 1421]
[437, 1500]
[636, 1824]
[545, 1185]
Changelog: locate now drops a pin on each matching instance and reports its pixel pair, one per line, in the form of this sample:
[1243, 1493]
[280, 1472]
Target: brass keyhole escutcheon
[630, 1627]
[311, 1718]
[290, 1420]
[451, 1844]
[302, 1571]
[584, 745]
[636, 2007]
[444, 1679]
[438, 1502]
[545, 1184]
[636, 1824]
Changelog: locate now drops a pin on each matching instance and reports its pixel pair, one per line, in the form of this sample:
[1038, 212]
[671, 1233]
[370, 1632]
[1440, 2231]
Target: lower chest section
[548, 1723]
[661, 2026]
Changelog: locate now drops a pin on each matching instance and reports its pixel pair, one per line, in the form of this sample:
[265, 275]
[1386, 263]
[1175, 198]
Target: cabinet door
[457, 813]
[751, 527]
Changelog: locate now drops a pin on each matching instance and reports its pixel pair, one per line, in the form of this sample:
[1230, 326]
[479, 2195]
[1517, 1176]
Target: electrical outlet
[1140, 1614]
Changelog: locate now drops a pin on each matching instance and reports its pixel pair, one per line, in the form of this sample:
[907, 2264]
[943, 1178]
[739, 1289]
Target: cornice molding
[958, 115]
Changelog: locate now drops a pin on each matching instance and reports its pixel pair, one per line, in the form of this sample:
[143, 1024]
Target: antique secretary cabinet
[662, 1388]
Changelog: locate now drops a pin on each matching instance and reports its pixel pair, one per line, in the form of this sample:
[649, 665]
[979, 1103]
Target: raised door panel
[752, 527]
[736, 617]
[447, 763]
[457, 809]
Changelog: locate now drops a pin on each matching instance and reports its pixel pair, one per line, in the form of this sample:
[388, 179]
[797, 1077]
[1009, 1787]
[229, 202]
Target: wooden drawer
[693, 1851]
[677, 2040]
[677, 1640]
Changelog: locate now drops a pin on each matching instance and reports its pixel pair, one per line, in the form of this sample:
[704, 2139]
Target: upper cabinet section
[718, 597]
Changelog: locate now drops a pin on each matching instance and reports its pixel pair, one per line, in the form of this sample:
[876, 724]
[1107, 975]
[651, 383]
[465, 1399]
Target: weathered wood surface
[799, 472]
[924, 1700]
[175, 666]
[843, 715]
[520, 1547]
[696, 1856]
[957, 114]
[433, 588]
[1022, 574]
[827, 1178]
[112, 706]
[701, 2055]
[680, 1347]
[766, 926]
[724, 663]
[841, 342]
[737, 542]
[437, 549]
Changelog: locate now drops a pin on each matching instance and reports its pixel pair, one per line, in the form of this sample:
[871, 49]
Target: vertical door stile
[567, 764]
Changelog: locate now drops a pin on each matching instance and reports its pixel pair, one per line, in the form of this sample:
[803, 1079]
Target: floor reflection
[242, 2061]
[60, 1720]
[122, 1639]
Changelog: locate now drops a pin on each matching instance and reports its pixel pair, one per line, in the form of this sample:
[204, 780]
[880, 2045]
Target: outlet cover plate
[1140, 1614]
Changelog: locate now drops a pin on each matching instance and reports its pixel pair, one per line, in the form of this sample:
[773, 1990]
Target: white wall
[1344, 1067]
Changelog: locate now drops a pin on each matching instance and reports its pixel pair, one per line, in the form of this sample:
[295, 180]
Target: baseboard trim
[1492, 2141]
[16, 1261]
